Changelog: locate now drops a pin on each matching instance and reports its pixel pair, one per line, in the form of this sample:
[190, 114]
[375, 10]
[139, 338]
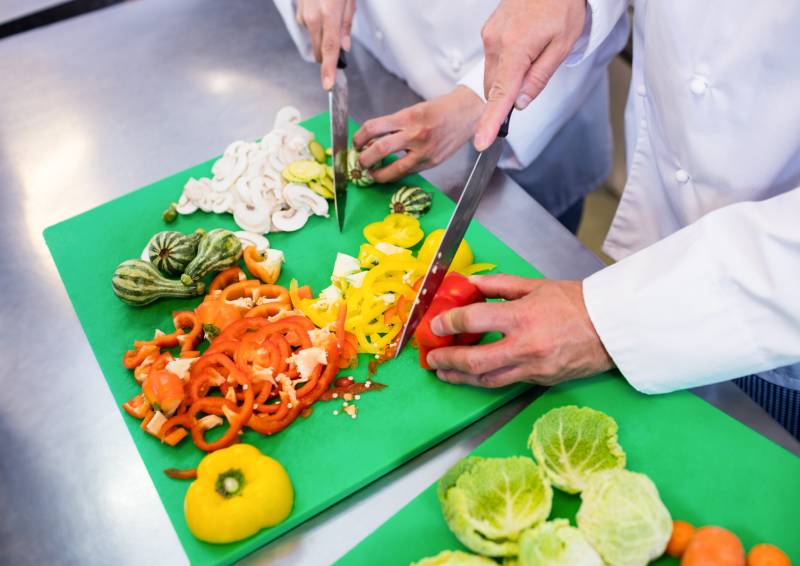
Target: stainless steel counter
[103, 104]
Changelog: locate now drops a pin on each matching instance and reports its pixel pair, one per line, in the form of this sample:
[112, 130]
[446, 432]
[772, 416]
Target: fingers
[409, 163]
[347, 24]
[502, 286]
[539, 75]
[502, 93]
[376, 127]
[491, 380]
[471, 319]
[471, 360]
[331, 43]
[382, 147]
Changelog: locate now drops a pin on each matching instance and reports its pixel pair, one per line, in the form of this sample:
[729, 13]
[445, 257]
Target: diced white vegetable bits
[247, 181]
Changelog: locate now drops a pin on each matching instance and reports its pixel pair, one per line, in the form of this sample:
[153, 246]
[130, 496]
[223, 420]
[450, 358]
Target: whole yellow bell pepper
[238, 492]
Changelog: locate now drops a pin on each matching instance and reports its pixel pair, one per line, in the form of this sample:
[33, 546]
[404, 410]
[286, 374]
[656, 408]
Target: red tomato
[455, 291]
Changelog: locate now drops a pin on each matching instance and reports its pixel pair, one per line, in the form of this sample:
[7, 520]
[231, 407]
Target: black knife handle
[503, 132]
[341, 63]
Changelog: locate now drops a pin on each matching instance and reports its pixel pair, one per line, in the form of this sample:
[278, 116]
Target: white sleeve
[532, 129]
[287, 10]
[602, 18]
[717, 300]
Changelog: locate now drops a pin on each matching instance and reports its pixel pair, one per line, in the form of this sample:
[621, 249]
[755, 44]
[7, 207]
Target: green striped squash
[170, 252]
[218, 250]
[358, 175]
[139, 283]
[410, 200]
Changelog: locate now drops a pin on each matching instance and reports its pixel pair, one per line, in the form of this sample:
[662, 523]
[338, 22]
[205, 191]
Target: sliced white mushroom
[185, 206]
[252, 218]
[290, 219]
[222, 202]
[286, 116]
[252, 239]
[300, 196]
[195, 190]
[241, 189]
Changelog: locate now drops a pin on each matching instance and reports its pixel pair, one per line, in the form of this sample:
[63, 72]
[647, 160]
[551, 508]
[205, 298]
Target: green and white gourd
[218, 250]
[359, 175]
[410, 200]
[170, 252]
[139, 283]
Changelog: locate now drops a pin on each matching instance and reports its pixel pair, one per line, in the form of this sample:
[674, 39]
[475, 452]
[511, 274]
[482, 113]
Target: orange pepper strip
[174, 437]
[267, 309]
[133, 358]
[225, 278]
[238, 290]
[253, 260]
[341, 318]
[188, 319]
[137, 407]
[177, 474]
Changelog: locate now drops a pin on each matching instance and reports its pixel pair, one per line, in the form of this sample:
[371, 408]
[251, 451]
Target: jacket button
[698, 85]
[681, 175]
[641, 90]
[379, 35]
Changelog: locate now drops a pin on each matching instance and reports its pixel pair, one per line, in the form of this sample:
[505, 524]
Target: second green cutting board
[709, 469]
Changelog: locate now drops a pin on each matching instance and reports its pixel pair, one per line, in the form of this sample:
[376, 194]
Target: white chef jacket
[559, 148]
[708, 228]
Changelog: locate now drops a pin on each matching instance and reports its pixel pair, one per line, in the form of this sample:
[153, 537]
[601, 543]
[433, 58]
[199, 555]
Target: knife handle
[341, 63]
[503, 132]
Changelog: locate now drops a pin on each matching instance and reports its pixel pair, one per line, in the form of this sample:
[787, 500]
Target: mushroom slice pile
[247, 182]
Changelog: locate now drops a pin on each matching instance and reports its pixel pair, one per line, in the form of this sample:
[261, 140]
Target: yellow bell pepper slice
[321, 313]
[398, 229]
[463, 258]
[238, 492]
[477, 268]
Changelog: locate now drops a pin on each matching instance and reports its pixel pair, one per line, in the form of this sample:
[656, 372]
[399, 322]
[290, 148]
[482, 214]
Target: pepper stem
[229, 483]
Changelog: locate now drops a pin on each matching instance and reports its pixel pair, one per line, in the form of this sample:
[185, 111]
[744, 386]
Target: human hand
[429, 133]
[524, 43]
[328, 23]
[548, 336]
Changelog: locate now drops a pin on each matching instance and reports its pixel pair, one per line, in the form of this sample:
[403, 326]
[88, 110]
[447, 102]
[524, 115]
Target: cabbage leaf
[488, 502]
[571, 443]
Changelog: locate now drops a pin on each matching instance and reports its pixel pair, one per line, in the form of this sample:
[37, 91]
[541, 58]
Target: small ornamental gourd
[218, 250]
[138, 283]
[410, 200]
[170, 252]
[359, 175]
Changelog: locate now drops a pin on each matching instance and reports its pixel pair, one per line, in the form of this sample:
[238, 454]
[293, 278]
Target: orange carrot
[767, 555]
[713, 545]
[681, 534]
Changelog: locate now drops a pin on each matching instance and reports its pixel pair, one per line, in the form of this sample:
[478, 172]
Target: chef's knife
[456, 228]
[337, 107]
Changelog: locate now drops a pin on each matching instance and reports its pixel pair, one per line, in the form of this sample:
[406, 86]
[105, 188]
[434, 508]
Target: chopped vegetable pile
[379, 286]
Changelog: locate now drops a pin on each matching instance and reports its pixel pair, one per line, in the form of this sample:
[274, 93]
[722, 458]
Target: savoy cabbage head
[623, 517]
[556, 543]
[571, 443]
[455, 558]
[488, 502]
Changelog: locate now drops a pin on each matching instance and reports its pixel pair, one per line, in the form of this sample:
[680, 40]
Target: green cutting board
[709, 468]
[327, 456]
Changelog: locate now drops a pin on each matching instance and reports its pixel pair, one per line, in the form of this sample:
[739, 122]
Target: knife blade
[337, 108]
[468, 202]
